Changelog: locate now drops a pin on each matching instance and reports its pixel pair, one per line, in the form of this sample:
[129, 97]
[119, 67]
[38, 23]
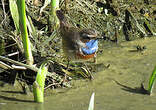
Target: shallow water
[115, 87]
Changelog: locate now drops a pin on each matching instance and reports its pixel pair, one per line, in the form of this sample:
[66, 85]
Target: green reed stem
[24, 33]
[38, 85]
[54, 7]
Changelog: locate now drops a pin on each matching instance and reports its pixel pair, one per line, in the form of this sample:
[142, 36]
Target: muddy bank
[115, 88]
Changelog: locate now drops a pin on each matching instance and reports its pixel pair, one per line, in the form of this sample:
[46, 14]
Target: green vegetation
[24, 33]
[14, 14]
[151, 81]
[54, 7]
[38, 85]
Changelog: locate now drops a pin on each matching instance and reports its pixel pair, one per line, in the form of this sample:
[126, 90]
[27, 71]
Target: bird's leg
[68, 61]
[94, 58]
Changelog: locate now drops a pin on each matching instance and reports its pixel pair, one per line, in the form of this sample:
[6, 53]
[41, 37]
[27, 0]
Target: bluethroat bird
[77, 44]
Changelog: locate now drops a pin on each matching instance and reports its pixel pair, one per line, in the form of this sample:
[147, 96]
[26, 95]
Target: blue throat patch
[92, 47]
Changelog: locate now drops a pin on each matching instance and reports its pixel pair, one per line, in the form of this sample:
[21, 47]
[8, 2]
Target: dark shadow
[138, 90]
[133, 50]
[14, 99]
[14, 92]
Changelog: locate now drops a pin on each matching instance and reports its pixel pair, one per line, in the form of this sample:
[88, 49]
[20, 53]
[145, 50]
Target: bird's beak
[101, 37]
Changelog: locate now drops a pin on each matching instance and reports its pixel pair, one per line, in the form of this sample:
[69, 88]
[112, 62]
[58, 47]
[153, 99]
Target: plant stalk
[24, 33]
[54, 7]
[38, 85]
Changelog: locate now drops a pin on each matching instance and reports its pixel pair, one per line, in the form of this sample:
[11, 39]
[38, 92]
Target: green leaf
[14, 13]
[38, 85]
[41, 75]
[151, 81]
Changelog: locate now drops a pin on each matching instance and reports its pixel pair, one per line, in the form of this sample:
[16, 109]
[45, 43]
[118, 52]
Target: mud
[115, 87]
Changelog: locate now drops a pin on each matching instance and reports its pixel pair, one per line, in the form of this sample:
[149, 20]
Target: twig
[4, 66]
[18, 67]
[91, 76]
[19, 63]
[4, 12]
[12, 54]
[137, 24]
[51, 85]
[33, 68]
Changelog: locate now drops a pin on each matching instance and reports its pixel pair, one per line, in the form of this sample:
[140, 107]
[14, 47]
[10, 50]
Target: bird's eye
[85, 36]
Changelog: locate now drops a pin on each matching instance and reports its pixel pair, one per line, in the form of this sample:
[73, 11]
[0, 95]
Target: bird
[78, 44]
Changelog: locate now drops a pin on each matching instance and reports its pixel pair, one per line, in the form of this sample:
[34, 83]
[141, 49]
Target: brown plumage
[73, 39]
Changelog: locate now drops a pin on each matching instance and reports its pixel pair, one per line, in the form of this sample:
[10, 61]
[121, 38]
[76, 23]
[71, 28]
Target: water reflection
[39, 106]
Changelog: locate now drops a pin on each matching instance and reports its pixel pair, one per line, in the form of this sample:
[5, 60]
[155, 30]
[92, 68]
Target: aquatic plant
[151, 81]
[38, 85]
[54, 7]
[54, 22]
[24, 33]
[91, 104]
[14, 14]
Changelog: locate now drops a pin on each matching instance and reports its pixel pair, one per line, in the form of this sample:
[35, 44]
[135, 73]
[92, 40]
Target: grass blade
[14, 14]
[91, 104]
[46, 2]
[151, 81]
